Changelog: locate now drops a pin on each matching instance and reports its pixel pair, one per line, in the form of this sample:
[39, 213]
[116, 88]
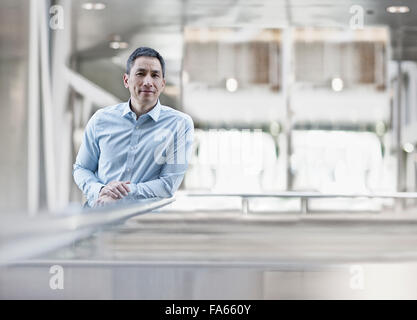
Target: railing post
[245, 205]
[304, 205]
[399, 205]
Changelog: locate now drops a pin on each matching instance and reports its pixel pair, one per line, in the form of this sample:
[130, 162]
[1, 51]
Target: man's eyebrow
[153, 71]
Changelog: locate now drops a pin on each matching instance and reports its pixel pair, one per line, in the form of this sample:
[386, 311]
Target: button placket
[130, 153]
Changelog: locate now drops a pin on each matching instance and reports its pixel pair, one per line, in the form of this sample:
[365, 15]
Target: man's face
[145, 81]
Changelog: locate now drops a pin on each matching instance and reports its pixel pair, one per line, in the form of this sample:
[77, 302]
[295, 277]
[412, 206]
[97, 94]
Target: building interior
[302, 180]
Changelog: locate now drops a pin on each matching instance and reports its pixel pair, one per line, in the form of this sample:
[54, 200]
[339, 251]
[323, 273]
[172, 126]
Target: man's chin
[148, 101]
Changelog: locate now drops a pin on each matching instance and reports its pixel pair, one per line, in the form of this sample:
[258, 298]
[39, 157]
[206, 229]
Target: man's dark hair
[144, 52]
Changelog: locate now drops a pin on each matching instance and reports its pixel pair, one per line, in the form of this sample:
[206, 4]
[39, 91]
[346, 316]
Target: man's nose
[147, 81]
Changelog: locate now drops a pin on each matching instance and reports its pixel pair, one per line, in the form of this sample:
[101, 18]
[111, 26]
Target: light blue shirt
[151, 152]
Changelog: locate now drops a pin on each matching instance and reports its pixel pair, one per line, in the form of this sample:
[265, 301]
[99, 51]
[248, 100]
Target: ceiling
[153, 22]
[159, 24]
[162, 18]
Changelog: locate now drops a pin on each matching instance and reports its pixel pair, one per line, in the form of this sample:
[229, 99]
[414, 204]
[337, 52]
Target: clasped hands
[112, 192]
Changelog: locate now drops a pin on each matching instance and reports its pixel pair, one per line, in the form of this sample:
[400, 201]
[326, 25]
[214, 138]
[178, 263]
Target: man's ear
[125, 80]
[163, 84]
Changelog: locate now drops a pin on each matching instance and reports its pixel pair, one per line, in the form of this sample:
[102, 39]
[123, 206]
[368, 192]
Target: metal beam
[61, 52]
[33, 112]
[287, 80]
[47, 107]
[89, 90]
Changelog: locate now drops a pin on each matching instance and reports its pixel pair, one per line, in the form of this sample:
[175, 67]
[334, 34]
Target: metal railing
[23, 237]
[305, 197]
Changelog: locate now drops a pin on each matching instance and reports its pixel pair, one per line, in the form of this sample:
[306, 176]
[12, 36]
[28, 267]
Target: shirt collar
[126, 109]
[154, 113]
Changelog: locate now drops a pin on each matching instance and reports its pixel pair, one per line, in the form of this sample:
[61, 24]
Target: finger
[111, 194]
[116, 191]
[124, 185]
[127, 182]
[122, 189]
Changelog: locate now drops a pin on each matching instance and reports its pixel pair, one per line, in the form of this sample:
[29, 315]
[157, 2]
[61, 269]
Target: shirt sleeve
[86, 163]
[178, 153]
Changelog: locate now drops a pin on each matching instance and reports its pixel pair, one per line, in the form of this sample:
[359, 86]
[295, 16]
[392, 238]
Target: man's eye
[139, 74]
[155, 75]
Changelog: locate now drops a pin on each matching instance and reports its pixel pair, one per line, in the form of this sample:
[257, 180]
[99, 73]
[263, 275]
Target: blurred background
[289, 95]
[299, 106]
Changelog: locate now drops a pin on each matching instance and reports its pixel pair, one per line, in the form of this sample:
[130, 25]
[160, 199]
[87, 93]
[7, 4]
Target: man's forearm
[163, 187]
[87, 181]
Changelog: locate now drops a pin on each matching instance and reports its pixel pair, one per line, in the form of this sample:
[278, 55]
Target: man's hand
[115, 190]
[103, 200]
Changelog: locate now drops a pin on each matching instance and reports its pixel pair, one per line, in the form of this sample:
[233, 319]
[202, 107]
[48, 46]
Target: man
[137, 149]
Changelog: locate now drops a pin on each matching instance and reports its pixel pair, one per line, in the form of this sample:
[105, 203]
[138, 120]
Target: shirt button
[128, 169]
[137, 128]
[132, 148]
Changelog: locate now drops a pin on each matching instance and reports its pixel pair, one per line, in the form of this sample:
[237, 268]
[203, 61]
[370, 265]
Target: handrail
[304, 196]
[24, 237]
[294, 194]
